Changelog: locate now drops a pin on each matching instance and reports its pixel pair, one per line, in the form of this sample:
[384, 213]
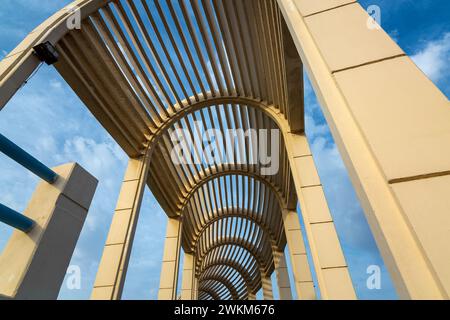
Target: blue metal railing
[7, 215]
[26, 160]
[15, 219]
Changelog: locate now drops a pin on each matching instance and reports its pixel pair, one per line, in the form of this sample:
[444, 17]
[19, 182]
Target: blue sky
[47, 119]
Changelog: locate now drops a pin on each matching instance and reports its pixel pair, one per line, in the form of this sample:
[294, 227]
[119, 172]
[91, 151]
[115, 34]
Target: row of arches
[148, 70]
[215, 80]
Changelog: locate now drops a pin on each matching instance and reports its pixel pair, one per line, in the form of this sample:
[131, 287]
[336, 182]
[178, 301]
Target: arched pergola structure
[159, 73]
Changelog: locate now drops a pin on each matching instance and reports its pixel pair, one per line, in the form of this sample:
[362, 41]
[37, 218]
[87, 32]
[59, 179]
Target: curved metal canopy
[148, 70]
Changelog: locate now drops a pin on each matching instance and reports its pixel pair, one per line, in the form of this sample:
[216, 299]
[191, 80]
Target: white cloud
[434, 58]
[314, 129]
[99, 158]
[56, 84]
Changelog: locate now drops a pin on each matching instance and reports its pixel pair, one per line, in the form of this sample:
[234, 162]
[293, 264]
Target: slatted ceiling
[269, 216]
[261, 251]
[233, 281]
[113, 95]
[134, 79]
[222, 287]
[147, 51]
[158, 112]
[128, 94]
[205, 296]
[242, 262]
[90, 94]
[148, 68]
[190, 173]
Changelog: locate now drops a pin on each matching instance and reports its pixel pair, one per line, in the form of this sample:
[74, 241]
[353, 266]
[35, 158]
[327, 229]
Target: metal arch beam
[218, 287]
[198, 266]
[212, 292]
[221, 287]
[230, 287]
[224, 272]
[250, 282]
[242, 244]
[241, 213]
[19, 64]
[245, 278]
[271, 111]
[259, 245]
[209, 101]
[213, 295]
[209, 176]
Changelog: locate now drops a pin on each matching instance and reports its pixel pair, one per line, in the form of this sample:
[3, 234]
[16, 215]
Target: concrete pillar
[329, 262]
[171, 260]
[304, 284]
[33, 265]
[114, 263]
[391, 126]
[281, 271]
[195, 287]
[266, 286]
[187, 285]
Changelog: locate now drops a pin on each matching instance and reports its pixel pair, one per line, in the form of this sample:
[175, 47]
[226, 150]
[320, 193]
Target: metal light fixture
[46, 52]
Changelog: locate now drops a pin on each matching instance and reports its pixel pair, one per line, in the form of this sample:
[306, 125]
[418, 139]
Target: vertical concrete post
[391, 124]
[266, 286]
[187, 285]
[329, 261]
[304, 284]
[33, 265]
[284, 285]
[114, 263]
[195, 286]
[171, 260]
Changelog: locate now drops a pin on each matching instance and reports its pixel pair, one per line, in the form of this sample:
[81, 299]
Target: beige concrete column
[187, 285]
[329, 262]
[114, 263]
[251, 297]
[195, 287]
[304, 284]
[33, 264]
[267, 286]
[391, 125]
[281, 270]
[171, 261]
